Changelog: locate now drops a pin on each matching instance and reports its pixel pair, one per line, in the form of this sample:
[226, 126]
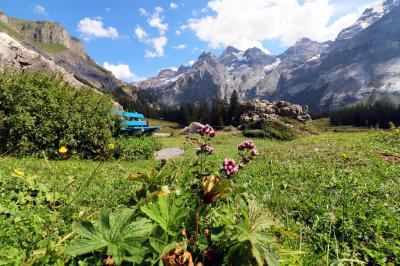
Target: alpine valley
[362, 64]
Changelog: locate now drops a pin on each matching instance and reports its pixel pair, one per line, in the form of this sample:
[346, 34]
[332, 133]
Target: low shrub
[272, 129]
[41, 112]
[136, 148]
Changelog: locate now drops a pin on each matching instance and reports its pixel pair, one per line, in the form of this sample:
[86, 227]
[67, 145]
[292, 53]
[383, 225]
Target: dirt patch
[389, 157]
[168, 153]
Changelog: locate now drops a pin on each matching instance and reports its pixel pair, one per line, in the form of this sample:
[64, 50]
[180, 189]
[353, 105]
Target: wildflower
[248, 144]
[207, 149]
[163, 191]
[206, 130]
[229, 166]
[254, 153]
[18, 172]
[63, 150]
[111, 146]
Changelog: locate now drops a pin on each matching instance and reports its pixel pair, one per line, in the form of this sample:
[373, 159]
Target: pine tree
[234, 108]
[203, 112]
[217, 112]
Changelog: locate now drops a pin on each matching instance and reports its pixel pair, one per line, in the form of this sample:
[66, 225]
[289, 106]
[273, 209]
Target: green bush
[136, 148]
[272, 129]
[41, 112]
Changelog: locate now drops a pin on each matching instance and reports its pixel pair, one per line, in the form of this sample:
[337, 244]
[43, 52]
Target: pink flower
[206, 130]
[207, 149]
[254, 153]
[248, 144]
[230, 167]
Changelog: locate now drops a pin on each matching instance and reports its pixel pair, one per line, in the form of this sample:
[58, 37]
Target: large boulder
[192, 128]
[261, 110]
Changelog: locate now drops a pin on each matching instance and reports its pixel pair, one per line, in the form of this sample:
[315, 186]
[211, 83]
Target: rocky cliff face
[53, 43]
[352, 70]
[14, 55]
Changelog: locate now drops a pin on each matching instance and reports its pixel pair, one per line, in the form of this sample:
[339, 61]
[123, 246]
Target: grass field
[336, 200]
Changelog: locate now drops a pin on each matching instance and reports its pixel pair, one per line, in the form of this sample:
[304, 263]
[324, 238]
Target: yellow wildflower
[111, 146]
[63, 150]
[18, 172]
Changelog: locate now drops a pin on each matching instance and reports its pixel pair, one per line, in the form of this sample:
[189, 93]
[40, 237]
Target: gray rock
[261, 110]
[192, 128]
[14, 55]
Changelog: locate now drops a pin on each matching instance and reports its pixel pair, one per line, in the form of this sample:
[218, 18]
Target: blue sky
[137, 38]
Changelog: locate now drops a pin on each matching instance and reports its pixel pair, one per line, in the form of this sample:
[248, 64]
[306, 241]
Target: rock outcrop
[14, 55]
[262, 110]
[192, 128]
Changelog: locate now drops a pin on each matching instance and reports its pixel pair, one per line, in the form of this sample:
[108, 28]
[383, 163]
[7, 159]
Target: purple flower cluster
[247, 149]
[246, 145]
[207, 149]
[230, 167]
[206, 130]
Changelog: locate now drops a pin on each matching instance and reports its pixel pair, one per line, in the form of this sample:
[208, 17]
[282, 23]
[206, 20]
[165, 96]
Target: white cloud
[108, 9]
[141, 34]
[173, 5]
[122, 72]
[143, 11]
[191, 62]
[174, 68]
[158, 45]
[40, 10]
[248, 25]
[94, 28]
[156, 20]
[181, 29]
[180, 46]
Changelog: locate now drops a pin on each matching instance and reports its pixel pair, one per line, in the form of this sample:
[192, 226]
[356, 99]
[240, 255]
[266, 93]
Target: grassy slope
[332, 182]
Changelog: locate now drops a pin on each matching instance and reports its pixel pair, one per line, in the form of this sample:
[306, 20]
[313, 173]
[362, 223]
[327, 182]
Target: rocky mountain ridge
[362, 60]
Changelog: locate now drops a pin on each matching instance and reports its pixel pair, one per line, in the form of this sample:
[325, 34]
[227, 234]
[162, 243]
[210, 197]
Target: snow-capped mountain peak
[371, 14]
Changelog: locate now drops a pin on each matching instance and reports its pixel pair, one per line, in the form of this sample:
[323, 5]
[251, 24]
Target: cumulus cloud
[157, 20]
[180, 46]
[141, 34]
[158, 45]
[123, 72]
[248, 25]
[94, 28]
[173, 5]
[40, 10]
